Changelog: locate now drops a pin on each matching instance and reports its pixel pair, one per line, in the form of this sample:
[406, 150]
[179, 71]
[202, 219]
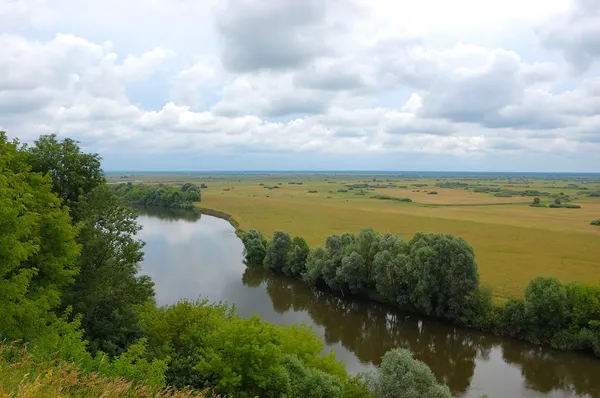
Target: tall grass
[23, 375]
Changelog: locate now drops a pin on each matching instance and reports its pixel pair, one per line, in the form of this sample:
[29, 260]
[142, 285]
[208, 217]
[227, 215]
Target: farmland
[513, 241]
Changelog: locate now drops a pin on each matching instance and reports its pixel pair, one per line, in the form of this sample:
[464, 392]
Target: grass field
[513, 242]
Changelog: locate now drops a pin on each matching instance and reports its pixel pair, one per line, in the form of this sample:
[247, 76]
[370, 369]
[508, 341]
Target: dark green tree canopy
[37, 246]
[74, 173]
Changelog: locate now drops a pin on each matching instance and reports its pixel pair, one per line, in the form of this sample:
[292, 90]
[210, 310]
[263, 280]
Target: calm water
[200, 257]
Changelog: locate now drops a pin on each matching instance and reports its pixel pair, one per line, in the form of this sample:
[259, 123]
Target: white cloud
[314, 77]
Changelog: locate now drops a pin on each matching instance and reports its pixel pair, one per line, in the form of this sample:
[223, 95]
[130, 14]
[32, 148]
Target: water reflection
[190, 257]
[452, 353]
[168, 214]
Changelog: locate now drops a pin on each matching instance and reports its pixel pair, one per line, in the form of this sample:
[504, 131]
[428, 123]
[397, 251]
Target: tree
[536, 201]
[402, 376]
[353, 272]
[546, 306]
[255, 247]
[296, 262]
[314, 266]
[557, 201]
[277, 250]
[443, 274]
[73, 172]
[37, 246]
[108, 285]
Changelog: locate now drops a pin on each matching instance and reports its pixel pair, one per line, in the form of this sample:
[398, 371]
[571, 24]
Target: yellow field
[513, 242]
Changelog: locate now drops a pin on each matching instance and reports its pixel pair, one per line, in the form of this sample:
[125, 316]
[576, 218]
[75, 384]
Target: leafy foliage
[159, 195]
[73, 172]
[211, 346]
[108, 286]
[255, 247]
[436, 275]
[37, 246]
[402, 376]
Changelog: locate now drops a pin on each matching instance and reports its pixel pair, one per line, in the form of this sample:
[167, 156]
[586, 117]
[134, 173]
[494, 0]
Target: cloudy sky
[482, 85]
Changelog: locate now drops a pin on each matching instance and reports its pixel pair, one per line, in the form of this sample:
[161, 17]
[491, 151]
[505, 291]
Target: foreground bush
[595, 222]
[210, 346]
[402, 376]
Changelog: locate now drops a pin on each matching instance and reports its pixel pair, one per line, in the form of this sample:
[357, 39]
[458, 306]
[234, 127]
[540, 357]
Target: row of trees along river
[435, 275]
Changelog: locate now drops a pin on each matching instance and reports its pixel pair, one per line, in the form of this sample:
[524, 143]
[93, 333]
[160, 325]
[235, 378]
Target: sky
[462, 85]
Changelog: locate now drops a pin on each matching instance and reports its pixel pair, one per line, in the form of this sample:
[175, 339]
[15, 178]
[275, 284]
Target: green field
[513, 241]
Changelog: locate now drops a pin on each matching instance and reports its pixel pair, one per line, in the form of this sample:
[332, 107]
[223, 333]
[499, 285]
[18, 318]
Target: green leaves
[159, 195]
[211, 346]
[73, 172]
[108, 286]
[402, 376]
[255, 247]
[37, 246]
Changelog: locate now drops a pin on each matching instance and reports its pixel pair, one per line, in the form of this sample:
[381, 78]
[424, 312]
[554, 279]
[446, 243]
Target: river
[193, 257]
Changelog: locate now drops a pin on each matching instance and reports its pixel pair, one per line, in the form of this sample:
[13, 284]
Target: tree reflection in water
[168, 214]
[369, 330]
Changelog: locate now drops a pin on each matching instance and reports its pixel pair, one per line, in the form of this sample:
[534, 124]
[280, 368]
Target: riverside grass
[513, 242]
[23, 376]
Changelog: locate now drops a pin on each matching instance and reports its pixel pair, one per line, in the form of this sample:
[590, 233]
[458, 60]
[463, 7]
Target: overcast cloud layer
[314, 84]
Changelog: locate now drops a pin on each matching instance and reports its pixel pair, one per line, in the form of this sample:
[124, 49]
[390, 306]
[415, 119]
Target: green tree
[73, 172]
[296, 262]
[536, 201]
[108, 286]
[402, 376]
[314, 266]
[255, 247]
[277, 251]
[353, 272]
[37, 246]
[514, 319]
[443, 274]
[546, 306]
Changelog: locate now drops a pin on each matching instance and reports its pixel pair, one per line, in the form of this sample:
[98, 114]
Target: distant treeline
[435, 275]
[159, 195]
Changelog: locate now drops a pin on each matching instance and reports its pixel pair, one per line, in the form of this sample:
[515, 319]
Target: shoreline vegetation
[434, 275]
[582, 301]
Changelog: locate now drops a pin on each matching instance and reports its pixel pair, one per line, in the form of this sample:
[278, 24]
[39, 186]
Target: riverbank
[493, 318]
[188, 260]
[222, 215]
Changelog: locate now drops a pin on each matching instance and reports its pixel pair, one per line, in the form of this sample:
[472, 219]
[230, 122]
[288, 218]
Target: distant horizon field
[513, 241]
[355, 172]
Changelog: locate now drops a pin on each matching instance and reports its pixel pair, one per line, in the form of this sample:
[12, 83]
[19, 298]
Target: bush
[211, 346]
[432, 193]
[595, 222]
[402, 376]
[255, 247]
[313, 191]
[387, 197]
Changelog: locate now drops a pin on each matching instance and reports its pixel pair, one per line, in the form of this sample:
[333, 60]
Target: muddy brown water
[190, 256]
